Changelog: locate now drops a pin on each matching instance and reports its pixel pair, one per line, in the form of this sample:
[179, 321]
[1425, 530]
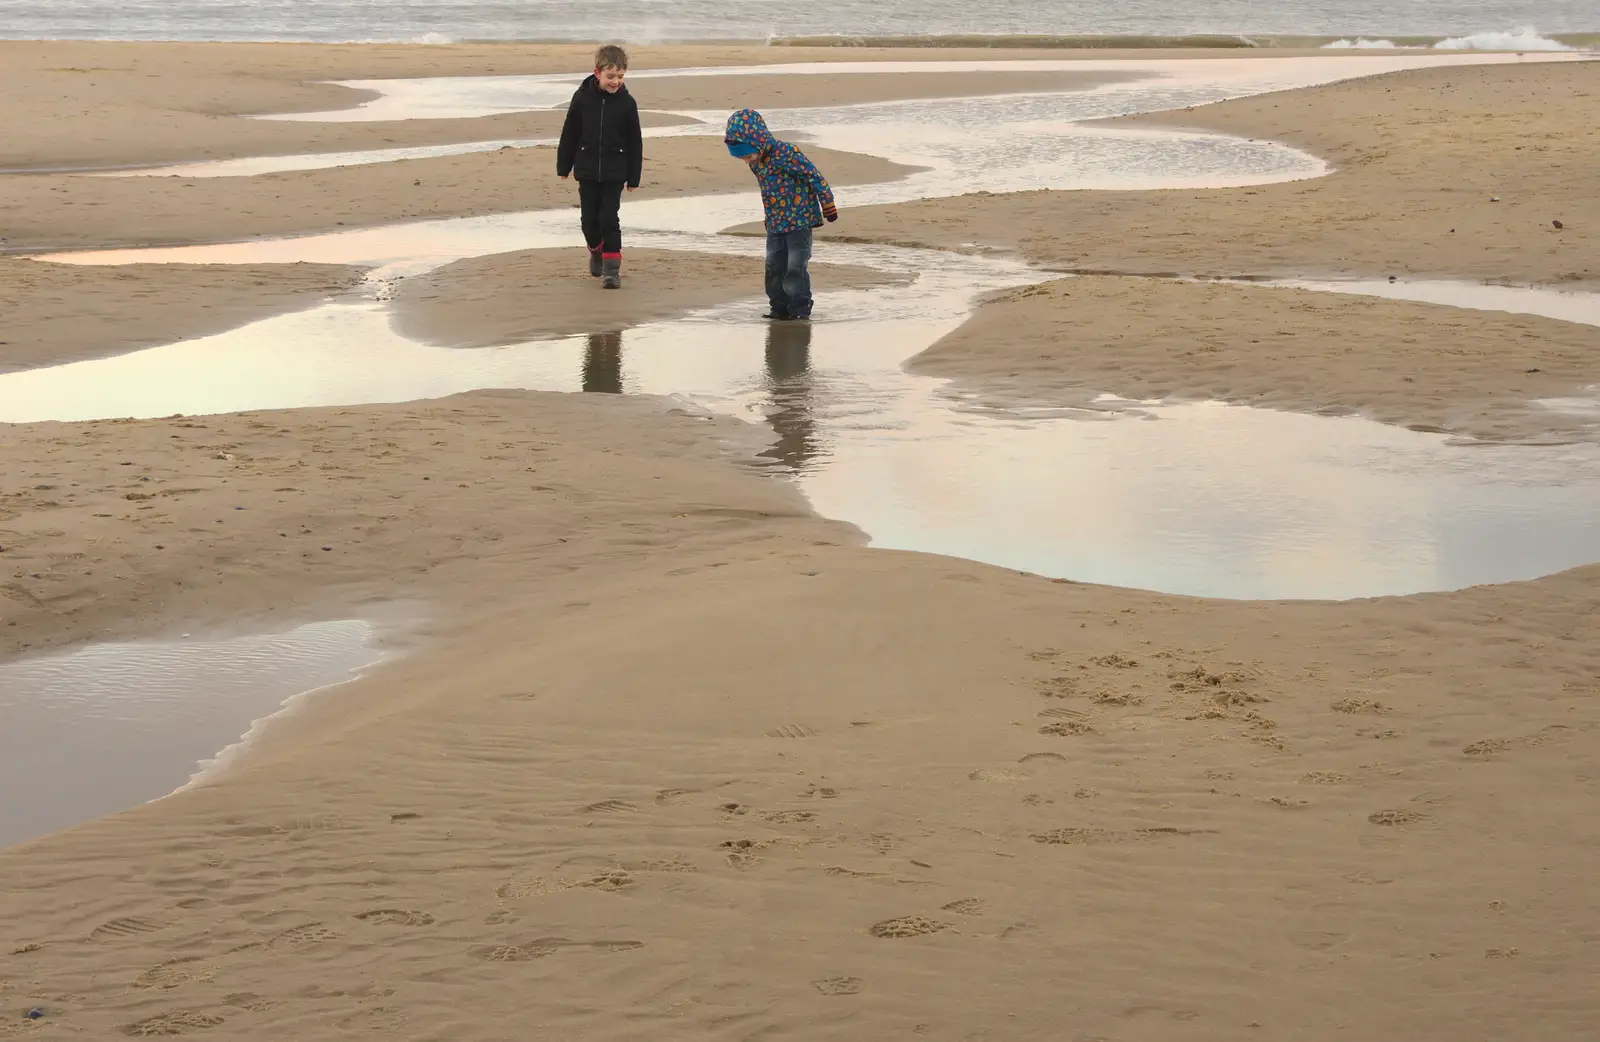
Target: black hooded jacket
[601, 139]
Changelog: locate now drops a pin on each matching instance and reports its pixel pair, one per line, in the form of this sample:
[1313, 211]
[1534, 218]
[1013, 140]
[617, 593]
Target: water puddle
[1565, 305]
[1203, 499]
[92, 731]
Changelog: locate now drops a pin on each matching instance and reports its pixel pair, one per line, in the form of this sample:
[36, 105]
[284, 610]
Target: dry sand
[55, 313]
[679, 760]
[508, 298]
[1419, 155]
[1419, 365]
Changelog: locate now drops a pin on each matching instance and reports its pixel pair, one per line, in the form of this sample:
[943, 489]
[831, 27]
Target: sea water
[1494, 24]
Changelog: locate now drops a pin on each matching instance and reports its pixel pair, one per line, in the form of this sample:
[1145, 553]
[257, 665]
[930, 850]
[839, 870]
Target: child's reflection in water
[789, 386]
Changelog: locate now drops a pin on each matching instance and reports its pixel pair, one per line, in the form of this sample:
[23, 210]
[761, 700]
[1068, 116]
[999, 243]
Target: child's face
[610, 79]
[750, 160]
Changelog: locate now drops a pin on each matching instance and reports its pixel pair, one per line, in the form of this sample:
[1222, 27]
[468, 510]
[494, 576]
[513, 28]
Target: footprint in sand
[540, 947]
[611, 882]
[303, 938]
[172, 973]
[180, 1022]
[965, 906]
[998, 774]
[1354, 706]
[395, 917]
[608, 807]
[838, 985]
[118, 929]
[667, 864]
[906, 926]
[1066, 728]
[1395, 817]
[521, 888]
[792, 731]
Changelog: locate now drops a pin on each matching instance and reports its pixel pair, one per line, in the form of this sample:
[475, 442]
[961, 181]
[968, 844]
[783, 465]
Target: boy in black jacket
[602, 144]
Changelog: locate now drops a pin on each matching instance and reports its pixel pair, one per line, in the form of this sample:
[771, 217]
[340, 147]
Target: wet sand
[124, 528]
[680, 759]
[1474, 373]
[1455, 173]
[56, 313]
[145, 103]
[63, 212]
[508, 298]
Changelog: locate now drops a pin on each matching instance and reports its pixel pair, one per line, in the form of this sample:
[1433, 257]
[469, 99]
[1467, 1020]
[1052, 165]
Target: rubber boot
[594, 263]
[611, 273]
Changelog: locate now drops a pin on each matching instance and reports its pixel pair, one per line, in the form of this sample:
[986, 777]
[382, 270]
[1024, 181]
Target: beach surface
[1442, 173]
[507, 298]
[1474, 373]
[670, 756]
[56, 313]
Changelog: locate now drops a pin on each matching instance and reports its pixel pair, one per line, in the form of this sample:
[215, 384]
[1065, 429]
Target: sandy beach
[1452, 173]
[671, 756]
[57, 313]
[507, 298]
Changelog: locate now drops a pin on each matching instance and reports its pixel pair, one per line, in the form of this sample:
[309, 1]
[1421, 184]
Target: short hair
[611, 57]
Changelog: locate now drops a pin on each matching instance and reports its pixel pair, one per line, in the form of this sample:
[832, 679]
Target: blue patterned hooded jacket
[794, 193]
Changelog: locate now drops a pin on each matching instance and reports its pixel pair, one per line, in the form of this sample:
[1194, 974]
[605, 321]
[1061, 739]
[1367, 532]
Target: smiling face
[610, 78]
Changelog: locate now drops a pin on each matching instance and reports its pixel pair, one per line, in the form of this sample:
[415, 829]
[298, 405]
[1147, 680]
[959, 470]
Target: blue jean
[789, 273]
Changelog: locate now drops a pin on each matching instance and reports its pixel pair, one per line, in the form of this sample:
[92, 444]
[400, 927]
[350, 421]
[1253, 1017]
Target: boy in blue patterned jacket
[796, 198]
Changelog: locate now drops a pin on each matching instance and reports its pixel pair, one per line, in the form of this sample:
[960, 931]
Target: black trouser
[602, 223]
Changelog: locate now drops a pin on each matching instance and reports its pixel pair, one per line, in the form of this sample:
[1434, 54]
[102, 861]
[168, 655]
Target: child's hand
[830, 213]
[632, 188]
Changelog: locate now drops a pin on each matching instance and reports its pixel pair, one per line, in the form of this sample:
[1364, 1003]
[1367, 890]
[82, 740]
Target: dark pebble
[327, 548]
[35, 1013]
[1533, 370]
[1558, 224]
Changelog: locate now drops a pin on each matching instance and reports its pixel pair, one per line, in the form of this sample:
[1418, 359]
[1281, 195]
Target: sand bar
[57, 313]
[508, 298]
[1418, 365]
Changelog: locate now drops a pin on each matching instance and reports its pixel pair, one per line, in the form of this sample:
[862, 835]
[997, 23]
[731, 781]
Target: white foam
[1524, 38]
[1360, 44]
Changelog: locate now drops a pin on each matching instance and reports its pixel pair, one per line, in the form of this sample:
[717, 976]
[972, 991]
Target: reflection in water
[602, 363]
[790, 389]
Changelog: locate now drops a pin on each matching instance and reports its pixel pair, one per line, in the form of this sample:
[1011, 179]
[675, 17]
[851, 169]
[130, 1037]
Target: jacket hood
[592, 83]
[746, 127]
